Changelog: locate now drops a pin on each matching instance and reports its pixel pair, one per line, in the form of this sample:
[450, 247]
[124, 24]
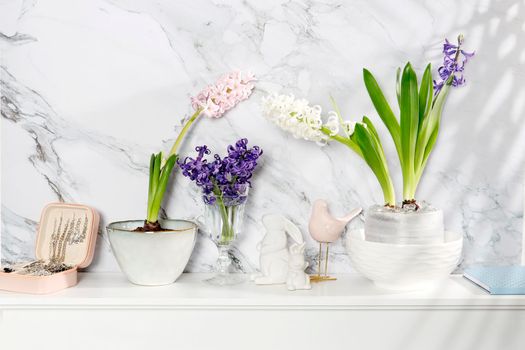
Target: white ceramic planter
[404, 266]
[404, 227]
[152, 258]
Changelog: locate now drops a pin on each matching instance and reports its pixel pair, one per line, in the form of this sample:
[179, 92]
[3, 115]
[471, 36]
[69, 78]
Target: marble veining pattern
[90, 88]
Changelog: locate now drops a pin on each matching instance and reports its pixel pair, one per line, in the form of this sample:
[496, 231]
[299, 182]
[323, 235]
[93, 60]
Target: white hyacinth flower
[297, 117]
[332, 123]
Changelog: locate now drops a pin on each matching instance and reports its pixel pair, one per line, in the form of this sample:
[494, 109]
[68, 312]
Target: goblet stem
[223, 261]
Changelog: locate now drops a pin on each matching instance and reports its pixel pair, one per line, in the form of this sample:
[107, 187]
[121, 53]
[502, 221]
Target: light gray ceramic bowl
[152, 258]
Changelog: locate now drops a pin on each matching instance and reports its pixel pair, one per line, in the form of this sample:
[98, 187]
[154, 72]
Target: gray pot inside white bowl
[152, 258]
[398, 226]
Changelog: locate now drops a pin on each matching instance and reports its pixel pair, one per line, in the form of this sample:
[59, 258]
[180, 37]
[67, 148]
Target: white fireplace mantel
[106, 312]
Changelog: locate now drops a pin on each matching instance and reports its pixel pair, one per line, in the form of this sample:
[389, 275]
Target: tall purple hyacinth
[454, 61]
[228, 177]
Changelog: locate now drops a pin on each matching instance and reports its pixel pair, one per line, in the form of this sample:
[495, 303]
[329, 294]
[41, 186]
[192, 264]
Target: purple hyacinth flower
[454, 61]
[227, 177]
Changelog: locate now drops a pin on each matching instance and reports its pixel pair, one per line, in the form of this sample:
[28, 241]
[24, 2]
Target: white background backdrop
[91, 88]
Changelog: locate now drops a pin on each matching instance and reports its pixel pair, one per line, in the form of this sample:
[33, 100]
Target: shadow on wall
[492, 129]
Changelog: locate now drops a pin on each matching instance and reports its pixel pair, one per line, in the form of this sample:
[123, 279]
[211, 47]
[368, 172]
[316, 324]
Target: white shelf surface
[350, 291]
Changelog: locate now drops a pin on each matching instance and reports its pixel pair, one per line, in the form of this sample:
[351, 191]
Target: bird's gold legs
[321, 277]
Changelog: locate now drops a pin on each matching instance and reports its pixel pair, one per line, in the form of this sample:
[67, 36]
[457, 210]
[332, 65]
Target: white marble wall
[90, 88]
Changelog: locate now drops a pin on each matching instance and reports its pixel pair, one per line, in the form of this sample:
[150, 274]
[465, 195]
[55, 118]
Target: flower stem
[227, 229]
[344, 140]
[460, 41]
[184, 130]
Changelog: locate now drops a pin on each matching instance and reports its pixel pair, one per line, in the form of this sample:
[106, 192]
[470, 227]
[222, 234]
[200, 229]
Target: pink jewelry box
[74, 225]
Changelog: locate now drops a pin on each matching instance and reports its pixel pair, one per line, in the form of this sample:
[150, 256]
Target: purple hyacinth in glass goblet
[225, 183]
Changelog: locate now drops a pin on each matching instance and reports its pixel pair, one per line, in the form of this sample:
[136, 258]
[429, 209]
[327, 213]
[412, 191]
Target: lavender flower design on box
[225, 183]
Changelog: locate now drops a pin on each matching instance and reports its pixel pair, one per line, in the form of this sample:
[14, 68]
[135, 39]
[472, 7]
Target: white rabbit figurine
[297, 278]
[274, 254]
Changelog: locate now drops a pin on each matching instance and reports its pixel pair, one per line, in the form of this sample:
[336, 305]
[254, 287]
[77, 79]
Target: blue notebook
[498, 280]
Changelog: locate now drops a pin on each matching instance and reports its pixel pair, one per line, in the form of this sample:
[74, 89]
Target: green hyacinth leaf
[161, 187]
[164, 176]
[383, 109]
[409, 128]
[372, 155]
[398, 85]
[428, 149]
[426, 92]
[429, 126]
[151, 188]
[154, 183]
[375, 138]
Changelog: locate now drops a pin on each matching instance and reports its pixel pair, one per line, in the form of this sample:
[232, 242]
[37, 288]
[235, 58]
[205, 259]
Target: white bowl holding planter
[152, 258]
[399, 266]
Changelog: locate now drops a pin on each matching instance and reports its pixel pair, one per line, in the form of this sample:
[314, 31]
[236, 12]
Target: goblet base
[228, 279]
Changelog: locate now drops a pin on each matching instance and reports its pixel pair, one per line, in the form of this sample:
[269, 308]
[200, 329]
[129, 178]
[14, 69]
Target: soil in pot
[150, 227]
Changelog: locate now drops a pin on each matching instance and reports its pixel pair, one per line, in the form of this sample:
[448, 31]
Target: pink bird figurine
[325, 228]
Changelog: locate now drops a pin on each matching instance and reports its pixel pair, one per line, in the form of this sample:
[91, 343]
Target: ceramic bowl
[152, 258]
[404, 266]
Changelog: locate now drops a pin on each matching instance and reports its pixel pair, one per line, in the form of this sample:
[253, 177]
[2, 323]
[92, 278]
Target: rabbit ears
[293, 231]
[297, 248]
[281, 223]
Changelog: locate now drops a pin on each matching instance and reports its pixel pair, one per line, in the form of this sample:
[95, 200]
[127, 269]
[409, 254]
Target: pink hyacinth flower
[225, 94]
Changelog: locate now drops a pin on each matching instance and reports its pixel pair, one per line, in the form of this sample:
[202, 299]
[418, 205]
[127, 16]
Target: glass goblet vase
[223, 222]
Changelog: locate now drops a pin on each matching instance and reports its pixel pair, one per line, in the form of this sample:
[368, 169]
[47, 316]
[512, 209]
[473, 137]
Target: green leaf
[161, 178]
[372, 153]
[428, 150]
[425, 94]
[376, 142]
[165, 175]
[151, 188]
[425, 106]
[398, 85]
[409, 128]
[383, 109]
[161, 188]
[430, 129]
[154, 183]
[375, 138]
[156, 170]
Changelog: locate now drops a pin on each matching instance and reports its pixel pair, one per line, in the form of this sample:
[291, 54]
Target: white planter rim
[123, 224]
